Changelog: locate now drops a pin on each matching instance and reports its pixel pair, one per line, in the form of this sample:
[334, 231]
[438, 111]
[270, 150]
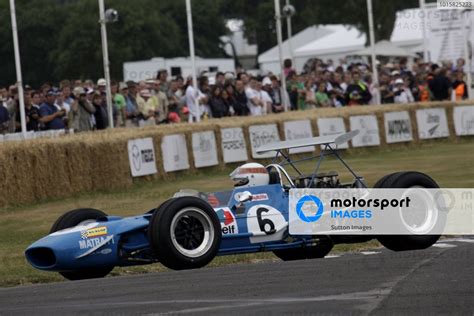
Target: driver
[249, 175]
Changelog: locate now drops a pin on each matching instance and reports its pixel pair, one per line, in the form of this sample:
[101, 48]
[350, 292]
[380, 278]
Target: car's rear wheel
[185, 233]
[74, 218]
[409, 179]
[320, 250]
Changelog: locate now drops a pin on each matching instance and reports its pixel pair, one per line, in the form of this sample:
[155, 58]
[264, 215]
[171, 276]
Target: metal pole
[284, 99]
[288, 28]
[467, 59]
[191, 53]
[19, 79]
[424, 25]
[375, 73]
[105, 55]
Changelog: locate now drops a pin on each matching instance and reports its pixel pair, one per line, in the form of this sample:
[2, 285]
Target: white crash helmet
[249, 175]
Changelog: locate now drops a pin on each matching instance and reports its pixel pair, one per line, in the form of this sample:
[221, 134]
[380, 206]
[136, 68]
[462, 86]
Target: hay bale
[110, 167]
[49, 168]
[19, 178]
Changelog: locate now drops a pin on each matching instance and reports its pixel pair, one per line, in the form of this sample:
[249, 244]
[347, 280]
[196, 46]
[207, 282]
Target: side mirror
[245, 197]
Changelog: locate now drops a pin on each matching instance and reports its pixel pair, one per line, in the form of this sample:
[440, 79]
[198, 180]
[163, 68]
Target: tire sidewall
[410, 242]
[74, 217]
[71, 219]
[161, 238]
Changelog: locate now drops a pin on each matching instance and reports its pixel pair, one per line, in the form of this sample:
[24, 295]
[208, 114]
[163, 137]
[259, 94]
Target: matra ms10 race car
[190, 229]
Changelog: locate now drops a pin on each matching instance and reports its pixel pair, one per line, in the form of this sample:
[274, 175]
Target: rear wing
[327, 141]
[313, 141]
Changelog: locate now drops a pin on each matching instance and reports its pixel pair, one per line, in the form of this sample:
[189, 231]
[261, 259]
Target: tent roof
[340, 38]
[385, 48]
[307, 35]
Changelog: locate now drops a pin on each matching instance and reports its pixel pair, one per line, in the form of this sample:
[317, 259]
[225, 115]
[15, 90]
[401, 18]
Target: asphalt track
[438, 280]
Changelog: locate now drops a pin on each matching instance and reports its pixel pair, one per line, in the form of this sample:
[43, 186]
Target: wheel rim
[192, 232]
[421, 222]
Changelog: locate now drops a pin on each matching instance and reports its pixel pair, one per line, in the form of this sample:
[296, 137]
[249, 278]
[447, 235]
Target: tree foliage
[260, 24]
[61, 38]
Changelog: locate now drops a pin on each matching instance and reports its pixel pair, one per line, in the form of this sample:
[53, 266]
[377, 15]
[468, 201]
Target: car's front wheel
[74, 218]
[185, 233]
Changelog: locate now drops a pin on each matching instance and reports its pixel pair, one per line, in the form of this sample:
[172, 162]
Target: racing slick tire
[311, 252]
[79, 217]
[185, 233]
[408, 179]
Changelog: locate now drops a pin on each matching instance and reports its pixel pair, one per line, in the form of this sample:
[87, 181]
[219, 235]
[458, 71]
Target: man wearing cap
[102, 89]
[81, 110]
[158, 99]
[152, 87]
[402, 93]
[131, 107]
[101, 116]
[101, 85]
[146, 107]
[50, 115]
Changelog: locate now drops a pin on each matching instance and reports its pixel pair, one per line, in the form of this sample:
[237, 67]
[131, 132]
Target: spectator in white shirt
[402, 93]
[265, 98]
[255, 102]
[192, 102]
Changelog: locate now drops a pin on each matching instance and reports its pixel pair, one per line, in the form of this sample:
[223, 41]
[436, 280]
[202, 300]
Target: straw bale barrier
[37, 169]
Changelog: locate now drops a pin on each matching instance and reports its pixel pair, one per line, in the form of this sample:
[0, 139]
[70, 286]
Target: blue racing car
[191, 228]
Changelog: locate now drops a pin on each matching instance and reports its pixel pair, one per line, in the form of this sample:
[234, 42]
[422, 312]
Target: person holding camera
[31, 115]
[81, 110]
[101, 116]
[357, 92]
[131, 107]
[402, 94]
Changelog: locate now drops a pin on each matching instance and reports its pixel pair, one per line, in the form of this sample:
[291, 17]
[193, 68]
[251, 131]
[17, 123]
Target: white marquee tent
[323, 41]
[386, 48]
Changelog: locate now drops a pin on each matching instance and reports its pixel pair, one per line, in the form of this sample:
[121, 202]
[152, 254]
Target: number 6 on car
[265, 223]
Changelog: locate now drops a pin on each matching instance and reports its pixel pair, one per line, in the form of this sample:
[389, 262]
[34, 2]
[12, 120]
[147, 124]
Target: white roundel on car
[266, 223]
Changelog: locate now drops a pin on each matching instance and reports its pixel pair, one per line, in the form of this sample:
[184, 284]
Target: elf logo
[228, 222]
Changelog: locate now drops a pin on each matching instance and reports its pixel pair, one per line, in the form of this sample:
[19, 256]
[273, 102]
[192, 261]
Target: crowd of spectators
[81, 105]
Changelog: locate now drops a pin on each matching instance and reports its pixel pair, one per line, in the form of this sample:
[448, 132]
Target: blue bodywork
[257, 225]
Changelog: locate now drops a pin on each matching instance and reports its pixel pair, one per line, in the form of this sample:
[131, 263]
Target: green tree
[61, 39]
[39, 23]
[259, 20]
